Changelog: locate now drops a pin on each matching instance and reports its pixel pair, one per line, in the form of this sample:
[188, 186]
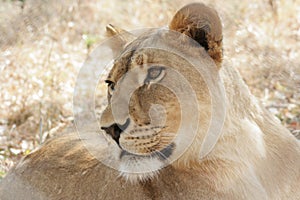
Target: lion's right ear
[203, 24]
[120, 37]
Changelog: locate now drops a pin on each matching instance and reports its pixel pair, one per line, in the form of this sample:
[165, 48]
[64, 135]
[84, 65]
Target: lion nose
[115, 130]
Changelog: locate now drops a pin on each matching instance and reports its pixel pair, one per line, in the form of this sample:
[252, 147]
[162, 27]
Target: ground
[44, 45]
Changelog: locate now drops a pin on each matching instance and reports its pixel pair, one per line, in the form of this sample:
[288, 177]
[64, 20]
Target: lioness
[253, 157]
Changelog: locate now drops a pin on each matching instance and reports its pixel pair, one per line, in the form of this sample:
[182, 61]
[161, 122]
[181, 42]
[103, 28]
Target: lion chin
[141, 168]
[136, 169]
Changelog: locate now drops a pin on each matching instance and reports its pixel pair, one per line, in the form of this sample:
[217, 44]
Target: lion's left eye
[111, 86]
[155, 74]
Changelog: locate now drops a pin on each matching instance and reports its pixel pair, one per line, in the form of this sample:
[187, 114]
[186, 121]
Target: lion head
[155, 93]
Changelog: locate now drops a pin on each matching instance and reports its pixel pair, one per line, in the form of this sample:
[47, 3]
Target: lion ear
[119, 39]
[112, 30]
[203, 24]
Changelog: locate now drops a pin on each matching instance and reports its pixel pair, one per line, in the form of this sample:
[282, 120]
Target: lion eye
[155, 74]
[110, 85]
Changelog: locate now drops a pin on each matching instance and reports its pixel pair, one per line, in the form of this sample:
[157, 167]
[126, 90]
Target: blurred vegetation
[44, 44]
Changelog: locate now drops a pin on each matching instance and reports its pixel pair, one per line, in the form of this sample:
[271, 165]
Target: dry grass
[43, 46]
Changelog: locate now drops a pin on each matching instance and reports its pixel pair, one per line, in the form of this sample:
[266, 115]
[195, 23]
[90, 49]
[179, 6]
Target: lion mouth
[162, 154]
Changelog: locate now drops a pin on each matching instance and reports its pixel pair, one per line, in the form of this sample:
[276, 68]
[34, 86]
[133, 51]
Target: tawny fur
[255, 158]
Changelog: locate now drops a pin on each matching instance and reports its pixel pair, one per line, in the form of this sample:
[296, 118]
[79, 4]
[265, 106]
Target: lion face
[146, 116]
[147, 126]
